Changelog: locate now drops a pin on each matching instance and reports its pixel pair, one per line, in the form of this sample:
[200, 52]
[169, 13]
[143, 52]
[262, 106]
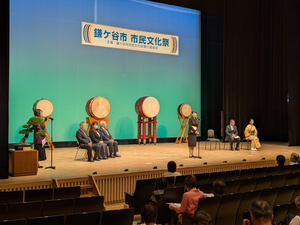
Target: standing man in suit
[86, 143]
[232, 135]
[108, 139]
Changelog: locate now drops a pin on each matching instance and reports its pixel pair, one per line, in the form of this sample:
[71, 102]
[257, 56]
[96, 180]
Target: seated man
[86, 143]
[232, 135]
[261, 213]
[107, 138]
[251, 134]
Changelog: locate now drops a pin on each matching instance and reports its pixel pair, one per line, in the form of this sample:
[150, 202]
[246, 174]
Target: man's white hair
[81, 123]
[102, 122]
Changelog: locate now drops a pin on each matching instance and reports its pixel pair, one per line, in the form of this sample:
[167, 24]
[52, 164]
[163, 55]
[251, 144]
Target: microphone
[51, 118]
[198, 118]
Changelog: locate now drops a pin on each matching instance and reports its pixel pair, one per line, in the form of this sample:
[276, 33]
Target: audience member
[294, 159]
[296, 219]
[202, 218]
[148, 215]
[280, 160]
[219, 189]
[171, 170]
[261, 213]
[189, 200]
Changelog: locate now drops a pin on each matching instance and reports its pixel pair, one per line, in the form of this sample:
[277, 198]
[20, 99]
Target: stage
[139, 158]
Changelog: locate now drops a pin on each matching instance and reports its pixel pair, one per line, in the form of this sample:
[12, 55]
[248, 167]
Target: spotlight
[181, 165]
[244, 160]
[263, 158]
[205, 163]
[155, 167]
[126, 170]
[95, 173]
[225, 161]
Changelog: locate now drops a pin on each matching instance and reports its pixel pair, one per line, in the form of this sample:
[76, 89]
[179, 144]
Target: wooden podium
[23, 162]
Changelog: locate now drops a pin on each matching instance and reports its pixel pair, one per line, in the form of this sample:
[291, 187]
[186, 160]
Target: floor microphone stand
[51, 167]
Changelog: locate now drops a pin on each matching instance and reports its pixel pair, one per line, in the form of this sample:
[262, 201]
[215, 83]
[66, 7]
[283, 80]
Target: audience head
[190, 182]
[294, 157]
[161, 183]
[148, 214]
[82, 125]
[103, 123]
[38, 112]
[202, 218]
[261, 212]
[95, 125]
[219, 187]
[251, 121]
[297, 202]
[172, 166]
[232, 122]
[280, 159]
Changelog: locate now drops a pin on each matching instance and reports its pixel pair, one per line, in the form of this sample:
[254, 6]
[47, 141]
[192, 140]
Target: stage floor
[138, 158]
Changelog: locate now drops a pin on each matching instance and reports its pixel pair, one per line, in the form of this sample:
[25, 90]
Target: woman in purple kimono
[38, 139]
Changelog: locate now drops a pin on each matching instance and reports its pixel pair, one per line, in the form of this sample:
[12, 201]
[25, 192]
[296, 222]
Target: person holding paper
[192, 134]
[251, 134]
[232, 135]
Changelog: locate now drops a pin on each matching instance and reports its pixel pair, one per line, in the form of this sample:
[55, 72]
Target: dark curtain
[255, 78]
[4, 78]
[292, 21]
[211, 72]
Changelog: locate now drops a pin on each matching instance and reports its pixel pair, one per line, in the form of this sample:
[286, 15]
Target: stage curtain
[4, 79]
[211, 72]
[292, 21]
[255, 76]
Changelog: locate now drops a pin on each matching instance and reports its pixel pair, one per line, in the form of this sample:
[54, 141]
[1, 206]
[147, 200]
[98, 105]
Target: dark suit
[113, 146]
[96, 138]
[229, 132]
[84, 140]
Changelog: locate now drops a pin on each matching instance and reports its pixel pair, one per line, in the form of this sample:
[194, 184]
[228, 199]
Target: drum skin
[147, 106]
[45, 105]
[97, 107]
[184, 110]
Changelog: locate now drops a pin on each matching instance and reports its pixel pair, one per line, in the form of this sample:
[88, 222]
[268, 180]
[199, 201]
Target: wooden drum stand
[142, 123]
[184, 121]
[90, 120]
[48, 139]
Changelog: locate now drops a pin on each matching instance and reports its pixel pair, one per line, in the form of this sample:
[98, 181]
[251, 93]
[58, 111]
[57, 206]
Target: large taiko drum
[147, 106]
[184, 110]
[97, 107]
[45, 105]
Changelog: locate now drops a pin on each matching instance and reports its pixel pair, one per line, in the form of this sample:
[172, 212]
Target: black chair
[285, 169]
[171, 181]
[216, 176]
[280, 213]
[11, 196]
[143, 192]
[89, 218]
[14, 222]
[202, 178]
[269, 195]
[58, 207]
[47, 220]
[263, 183]
[246, 200]
[122, 216]
[278, 181]
[206, 188]
[246, 174]
[248, 143]
[227, 210]
[179, 180]
[211, 138]
[24, 210]
[232, 187]
[232, 175]
[293, 210]
[296, 193]
[260, 172]
[66, 192]
[38, 195]
[285, 195]
[292, 179]
[247, 185]
[273, 171]
[210, 205]
[2, 212]
[89, 204]
[295, 168]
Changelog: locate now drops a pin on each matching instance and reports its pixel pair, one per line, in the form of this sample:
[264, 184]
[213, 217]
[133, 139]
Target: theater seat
[89, 218]
[121, 216]
[47, 220]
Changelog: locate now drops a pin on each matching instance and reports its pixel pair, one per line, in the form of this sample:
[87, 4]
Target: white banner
[122, 38]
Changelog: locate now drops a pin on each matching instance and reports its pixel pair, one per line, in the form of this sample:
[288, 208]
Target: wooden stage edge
[112, 181]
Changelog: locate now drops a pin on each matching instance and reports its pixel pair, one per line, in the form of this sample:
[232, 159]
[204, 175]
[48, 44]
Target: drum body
[97, 107]
[184, 110]
[147, 106]
[45, 105]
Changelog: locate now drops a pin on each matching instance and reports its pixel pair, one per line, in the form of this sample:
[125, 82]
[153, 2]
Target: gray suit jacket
[229, 132]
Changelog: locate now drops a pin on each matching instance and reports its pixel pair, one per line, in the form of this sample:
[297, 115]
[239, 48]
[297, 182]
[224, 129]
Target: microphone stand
[199, 157]
[51, 167]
